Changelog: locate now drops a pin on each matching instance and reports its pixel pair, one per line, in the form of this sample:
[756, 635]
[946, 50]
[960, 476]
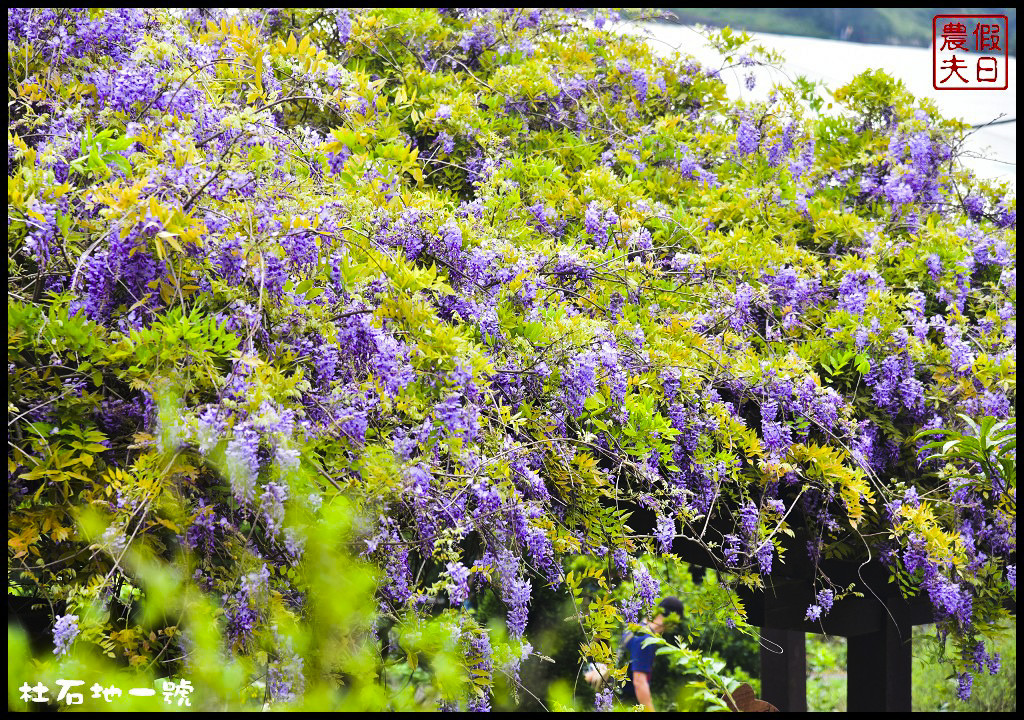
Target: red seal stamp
[970, 52]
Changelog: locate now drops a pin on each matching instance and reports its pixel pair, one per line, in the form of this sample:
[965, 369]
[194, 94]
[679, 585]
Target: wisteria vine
[491, 276]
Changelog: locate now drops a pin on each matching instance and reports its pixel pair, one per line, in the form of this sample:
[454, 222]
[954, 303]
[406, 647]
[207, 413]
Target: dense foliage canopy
[322, 326]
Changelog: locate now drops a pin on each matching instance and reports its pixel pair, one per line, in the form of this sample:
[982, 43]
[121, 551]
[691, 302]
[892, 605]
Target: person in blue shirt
[637, 690]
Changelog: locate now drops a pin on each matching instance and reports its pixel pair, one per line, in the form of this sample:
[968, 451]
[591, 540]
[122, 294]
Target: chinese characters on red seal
[970, 52]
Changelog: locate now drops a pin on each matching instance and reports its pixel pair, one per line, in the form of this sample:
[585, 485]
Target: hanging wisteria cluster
[492, 277]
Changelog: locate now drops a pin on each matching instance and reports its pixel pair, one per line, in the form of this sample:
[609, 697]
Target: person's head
[668, 614]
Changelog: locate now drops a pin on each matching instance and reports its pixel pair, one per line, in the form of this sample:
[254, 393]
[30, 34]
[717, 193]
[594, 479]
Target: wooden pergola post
[879, 650]
[784, 674]
[878, 666]
[878, 627]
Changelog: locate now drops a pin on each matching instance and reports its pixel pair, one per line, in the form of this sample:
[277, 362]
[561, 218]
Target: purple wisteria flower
[65, 630]
[458, 588]
[822, 605]
[646, 586]
[285, 679]
[580, 382]
[418, 301]
[344, 24]
[965, 683]
[665, 532]
[748, 137]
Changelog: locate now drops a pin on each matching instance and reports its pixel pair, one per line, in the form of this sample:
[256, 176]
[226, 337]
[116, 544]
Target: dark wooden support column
[879, 665]
[879, 634]
[784, 676]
